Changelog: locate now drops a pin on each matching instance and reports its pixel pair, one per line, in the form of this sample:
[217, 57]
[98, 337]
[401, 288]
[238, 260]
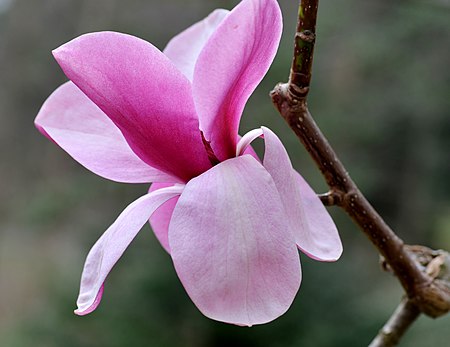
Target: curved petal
[184, 48]
[315, 232]
[231, 245]
[144, 94]
[244, 147]
[114, 241]
[244, 143]
[79, 127]
[230, 66]
[160, 219]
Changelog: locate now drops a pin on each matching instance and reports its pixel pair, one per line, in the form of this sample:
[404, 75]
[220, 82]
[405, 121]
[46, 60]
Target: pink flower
[231, 224]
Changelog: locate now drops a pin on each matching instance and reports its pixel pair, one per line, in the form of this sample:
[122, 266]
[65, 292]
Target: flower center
[211, 155]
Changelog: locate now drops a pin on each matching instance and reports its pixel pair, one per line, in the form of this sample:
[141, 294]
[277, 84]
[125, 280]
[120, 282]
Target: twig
[305, 37]
[290, 99]
[402, 318]
[331, 198]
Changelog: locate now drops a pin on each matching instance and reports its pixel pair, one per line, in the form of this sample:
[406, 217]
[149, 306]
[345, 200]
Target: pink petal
[79, 127]
[315, 232]
[231, 245]
[244, 143]
[250, 151]
[243, 146]
[230, 66]
[184, 48]
[323, 242]
[160, 219]
[111, 245]
[144, 94]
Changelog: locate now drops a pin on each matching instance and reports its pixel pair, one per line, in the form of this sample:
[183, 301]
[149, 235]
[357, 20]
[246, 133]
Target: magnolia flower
[231, 223]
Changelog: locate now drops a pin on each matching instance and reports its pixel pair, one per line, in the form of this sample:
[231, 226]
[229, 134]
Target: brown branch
[305, 38]
[290, 99]
[436, 263]
[402, 318]
[331, 198]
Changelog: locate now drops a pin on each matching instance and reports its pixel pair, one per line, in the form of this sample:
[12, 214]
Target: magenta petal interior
[231, 245]
[232, 63]
[144, 94]
[79, 127]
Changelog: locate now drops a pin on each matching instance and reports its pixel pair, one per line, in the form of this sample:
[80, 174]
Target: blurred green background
[380, 92]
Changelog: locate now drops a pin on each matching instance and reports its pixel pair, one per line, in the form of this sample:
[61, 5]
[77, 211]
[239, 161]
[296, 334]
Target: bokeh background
[380, 92]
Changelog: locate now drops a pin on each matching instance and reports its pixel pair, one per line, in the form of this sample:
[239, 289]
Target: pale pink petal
[244, 143]
[315, 232]
[79, 127]
[144, 94]
[323, 243]
[184, 48]
[230, 66]
[160, 219]
[232, 246]
[246, 148]
[111, 245]
[250, 151]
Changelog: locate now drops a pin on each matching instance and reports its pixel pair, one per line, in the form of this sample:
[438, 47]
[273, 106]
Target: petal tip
[40, 128]
[83, 312]
[91, 305]
[338, 253]
[59, 51]
[329, 256]
[78, 312]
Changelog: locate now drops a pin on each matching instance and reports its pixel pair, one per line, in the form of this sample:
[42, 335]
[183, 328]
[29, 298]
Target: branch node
[331, 198]
[432, 296]
[306, 35]
[298, 92]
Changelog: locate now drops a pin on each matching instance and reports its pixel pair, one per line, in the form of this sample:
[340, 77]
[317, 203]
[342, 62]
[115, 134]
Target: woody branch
[423, 293]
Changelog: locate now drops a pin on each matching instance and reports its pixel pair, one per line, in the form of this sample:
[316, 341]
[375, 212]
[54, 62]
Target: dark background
[380, 92]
